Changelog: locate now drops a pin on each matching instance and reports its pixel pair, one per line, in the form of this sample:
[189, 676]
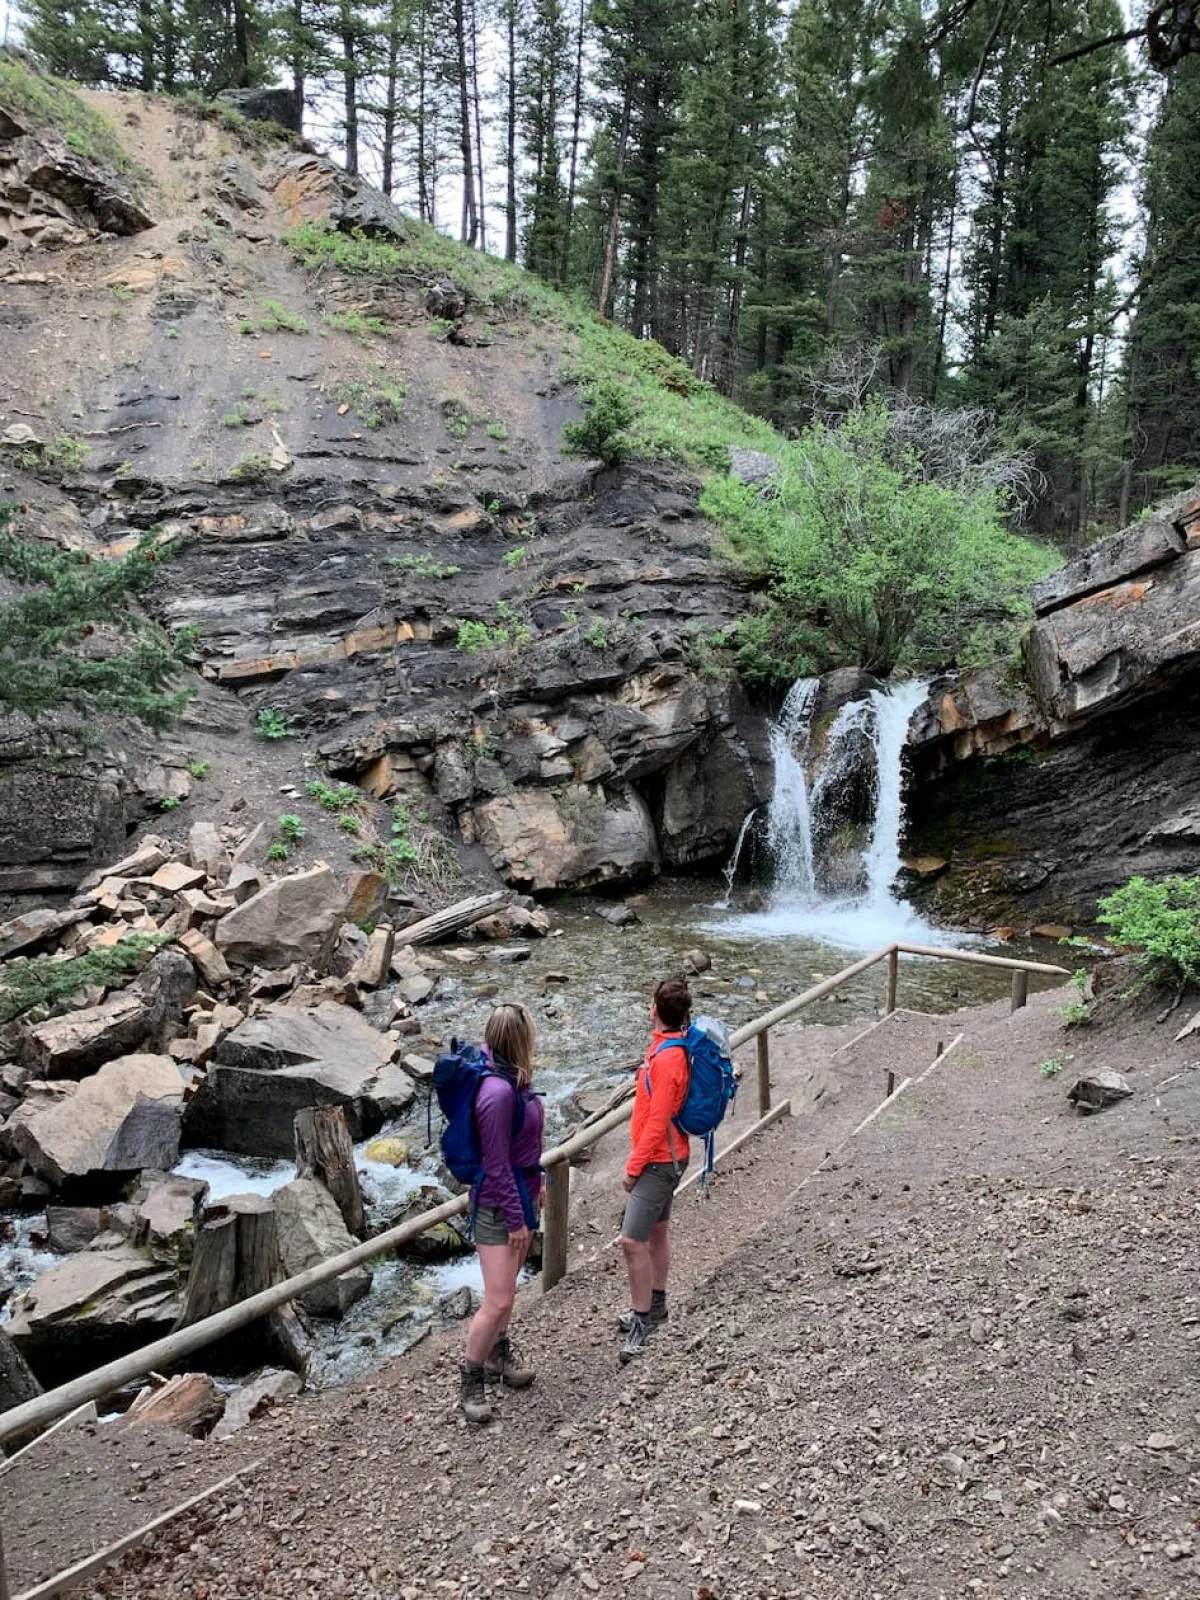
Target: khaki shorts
[650, 1199]
[490, 1226]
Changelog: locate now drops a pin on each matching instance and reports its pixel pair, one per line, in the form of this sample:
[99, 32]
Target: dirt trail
[960, 1358]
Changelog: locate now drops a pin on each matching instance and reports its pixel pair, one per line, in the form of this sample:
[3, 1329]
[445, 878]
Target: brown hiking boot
[471, 1395]
[504, 1365]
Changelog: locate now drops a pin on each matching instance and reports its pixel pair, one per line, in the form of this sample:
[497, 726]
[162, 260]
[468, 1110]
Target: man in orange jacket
[657, 1160]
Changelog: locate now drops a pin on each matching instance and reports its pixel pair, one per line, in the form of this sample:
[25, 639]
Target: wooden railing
[176, 1347]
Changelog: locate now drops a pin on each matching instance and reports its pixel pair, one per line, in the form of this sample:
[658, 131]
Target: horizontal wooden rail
[974, 959]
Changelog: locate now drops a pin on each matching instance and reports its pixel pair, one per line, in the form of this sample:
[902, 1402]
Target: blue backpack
[457, 1078]
[712, 1084]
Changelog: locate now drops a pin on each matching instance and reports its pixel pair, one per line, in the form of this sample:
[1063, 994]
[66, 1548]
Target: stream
[589, 984]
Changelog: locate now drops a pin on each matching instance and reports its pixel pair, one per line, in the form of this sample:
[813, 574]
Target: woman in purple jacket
[509, 1117]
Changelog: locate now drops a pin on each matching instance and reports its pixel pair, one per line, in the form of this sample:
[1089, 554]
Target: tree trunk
[236, 1254]
[573, 170]
[510, 156]
[299, 55]
[350, 88]
[241, 43]
[612, 235]
[443, 923]
[478, 127]
[424, 198]
[324, 1152]
[391, 103]
[470, 220]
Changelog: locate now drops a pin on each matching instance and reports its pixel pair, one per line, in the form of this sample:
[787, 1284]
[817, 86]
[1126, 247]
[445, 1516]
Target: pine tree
[1163, 422]
[72, 647]
[545, 87]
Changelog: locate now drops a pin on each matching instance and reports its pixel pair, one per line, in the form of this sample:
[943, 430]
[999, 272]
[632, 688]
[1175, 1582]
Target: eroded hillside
[349, 433]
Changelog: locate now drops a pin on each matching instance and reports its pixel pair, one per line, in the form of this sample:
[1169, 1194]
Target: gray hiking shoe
[635, 1339]
[658, 1315]
[472, 1397]
[505, 1365]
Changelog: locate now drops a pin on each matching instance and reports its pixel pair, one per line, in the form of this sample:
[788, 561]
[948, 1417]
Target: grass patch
[423, 566]
[376, 403]
[358, 323]
[48, 102]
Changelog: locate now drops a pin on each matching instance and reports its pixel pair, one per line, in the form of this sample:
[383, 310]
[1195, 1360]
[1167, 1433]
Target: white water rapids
[857, 922]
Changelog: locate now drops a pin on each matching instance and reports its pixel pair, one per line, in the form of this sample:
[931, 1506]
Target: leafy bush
[69, 642]
[774, 648]
[1163, 920]
[900, 567]
[476, 636]
[271, 724]
[291, 828]
[28, 981]
[601, 436]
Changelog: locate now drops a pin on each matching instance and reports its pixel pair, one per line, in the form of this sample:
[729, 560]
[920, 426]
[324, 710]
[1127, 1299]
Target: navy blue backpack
[712, 1083]
[457, 1078]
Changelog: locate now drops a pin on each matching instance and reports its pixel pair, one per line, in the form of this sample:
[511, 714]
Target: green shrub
[291, 828]
[601, 436]
[476, 636]
[250, 468]
[28, 981]
[271, 724]
[1162, 921]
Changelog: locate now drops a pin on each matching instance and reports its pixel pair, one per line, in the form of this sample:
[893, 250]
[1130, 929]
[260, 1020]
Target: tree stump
[324, 1152]
[236, 1255]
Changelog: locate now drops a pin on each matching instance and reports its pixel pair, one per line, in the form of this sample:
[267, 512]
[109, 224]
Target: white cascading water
[730, 871]
[893, 713]
[875, 917]
[789, 822]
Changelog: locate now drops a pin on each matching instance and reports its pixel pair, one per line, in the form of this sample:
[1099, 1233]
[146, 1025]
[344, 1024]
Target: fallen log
[452, 920]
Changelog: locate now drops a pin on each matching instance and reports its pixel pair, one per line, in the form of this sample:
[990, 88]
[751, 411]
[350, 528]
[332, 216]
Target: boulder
[166, 1214]
[1128, 641]
[289, 1058]
[540, 839]
[34, 928]
[123, 1119]
[752, 467]
[1128, 554]
[285, 1036]
[190, 1402]
[205, 849]
[312, 1230]
[370, 971]
[366, 897]
[294, 919]
[266, 104]
[253, 1399]
[207, 959]
[72, 1228]
[17, 1382]
[144, 1015]
[92, 1308]
[173, 876]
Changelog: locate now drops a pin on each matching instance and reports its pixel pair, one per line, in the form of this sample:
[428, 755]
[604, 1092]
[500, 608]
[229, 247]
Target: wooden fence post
[763, 1047]
[1020, 989]
[893, 980]
[3, 1572]
[555, 1223]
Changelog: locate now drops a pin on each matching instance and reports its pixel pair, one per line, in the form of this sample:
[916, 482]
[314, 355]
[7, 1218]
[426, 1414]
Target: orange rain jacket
[650, 1124]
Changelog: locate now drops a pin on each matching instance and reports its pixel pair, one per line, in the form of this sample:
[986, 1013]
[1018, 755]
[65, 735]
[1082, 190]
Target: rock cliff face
[1043, 789]
[376, 536]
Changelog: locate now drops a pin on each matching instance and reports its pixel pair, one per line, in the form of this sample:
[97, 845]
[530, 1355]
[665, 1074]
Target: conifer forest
[990, 206]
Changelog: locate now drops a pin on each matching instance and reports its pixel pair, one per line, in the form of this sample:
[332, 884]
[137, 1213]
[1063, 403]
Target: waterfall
[893, 712]
[789, 825]
[853, 807]
[730, 872]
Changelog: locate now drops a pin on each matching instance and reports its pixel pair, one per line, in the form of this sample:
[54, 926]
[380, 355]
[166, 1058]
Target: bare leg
[499, 1263]
[641, 1273]
[520, 1257]
[660, 1255]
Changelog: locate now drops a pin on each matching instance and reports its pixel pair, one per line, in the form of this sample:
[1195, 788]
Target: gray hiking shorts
[650, 1199]
[490, 1226]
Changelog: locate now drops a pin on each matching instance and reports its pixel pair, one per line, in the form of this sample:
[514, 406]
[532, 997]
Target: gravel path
[961, 1358]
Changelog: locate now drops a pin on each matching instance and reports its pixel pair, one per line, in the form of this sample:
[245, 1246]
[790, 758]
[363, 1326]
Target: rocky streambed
[137, 1117]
